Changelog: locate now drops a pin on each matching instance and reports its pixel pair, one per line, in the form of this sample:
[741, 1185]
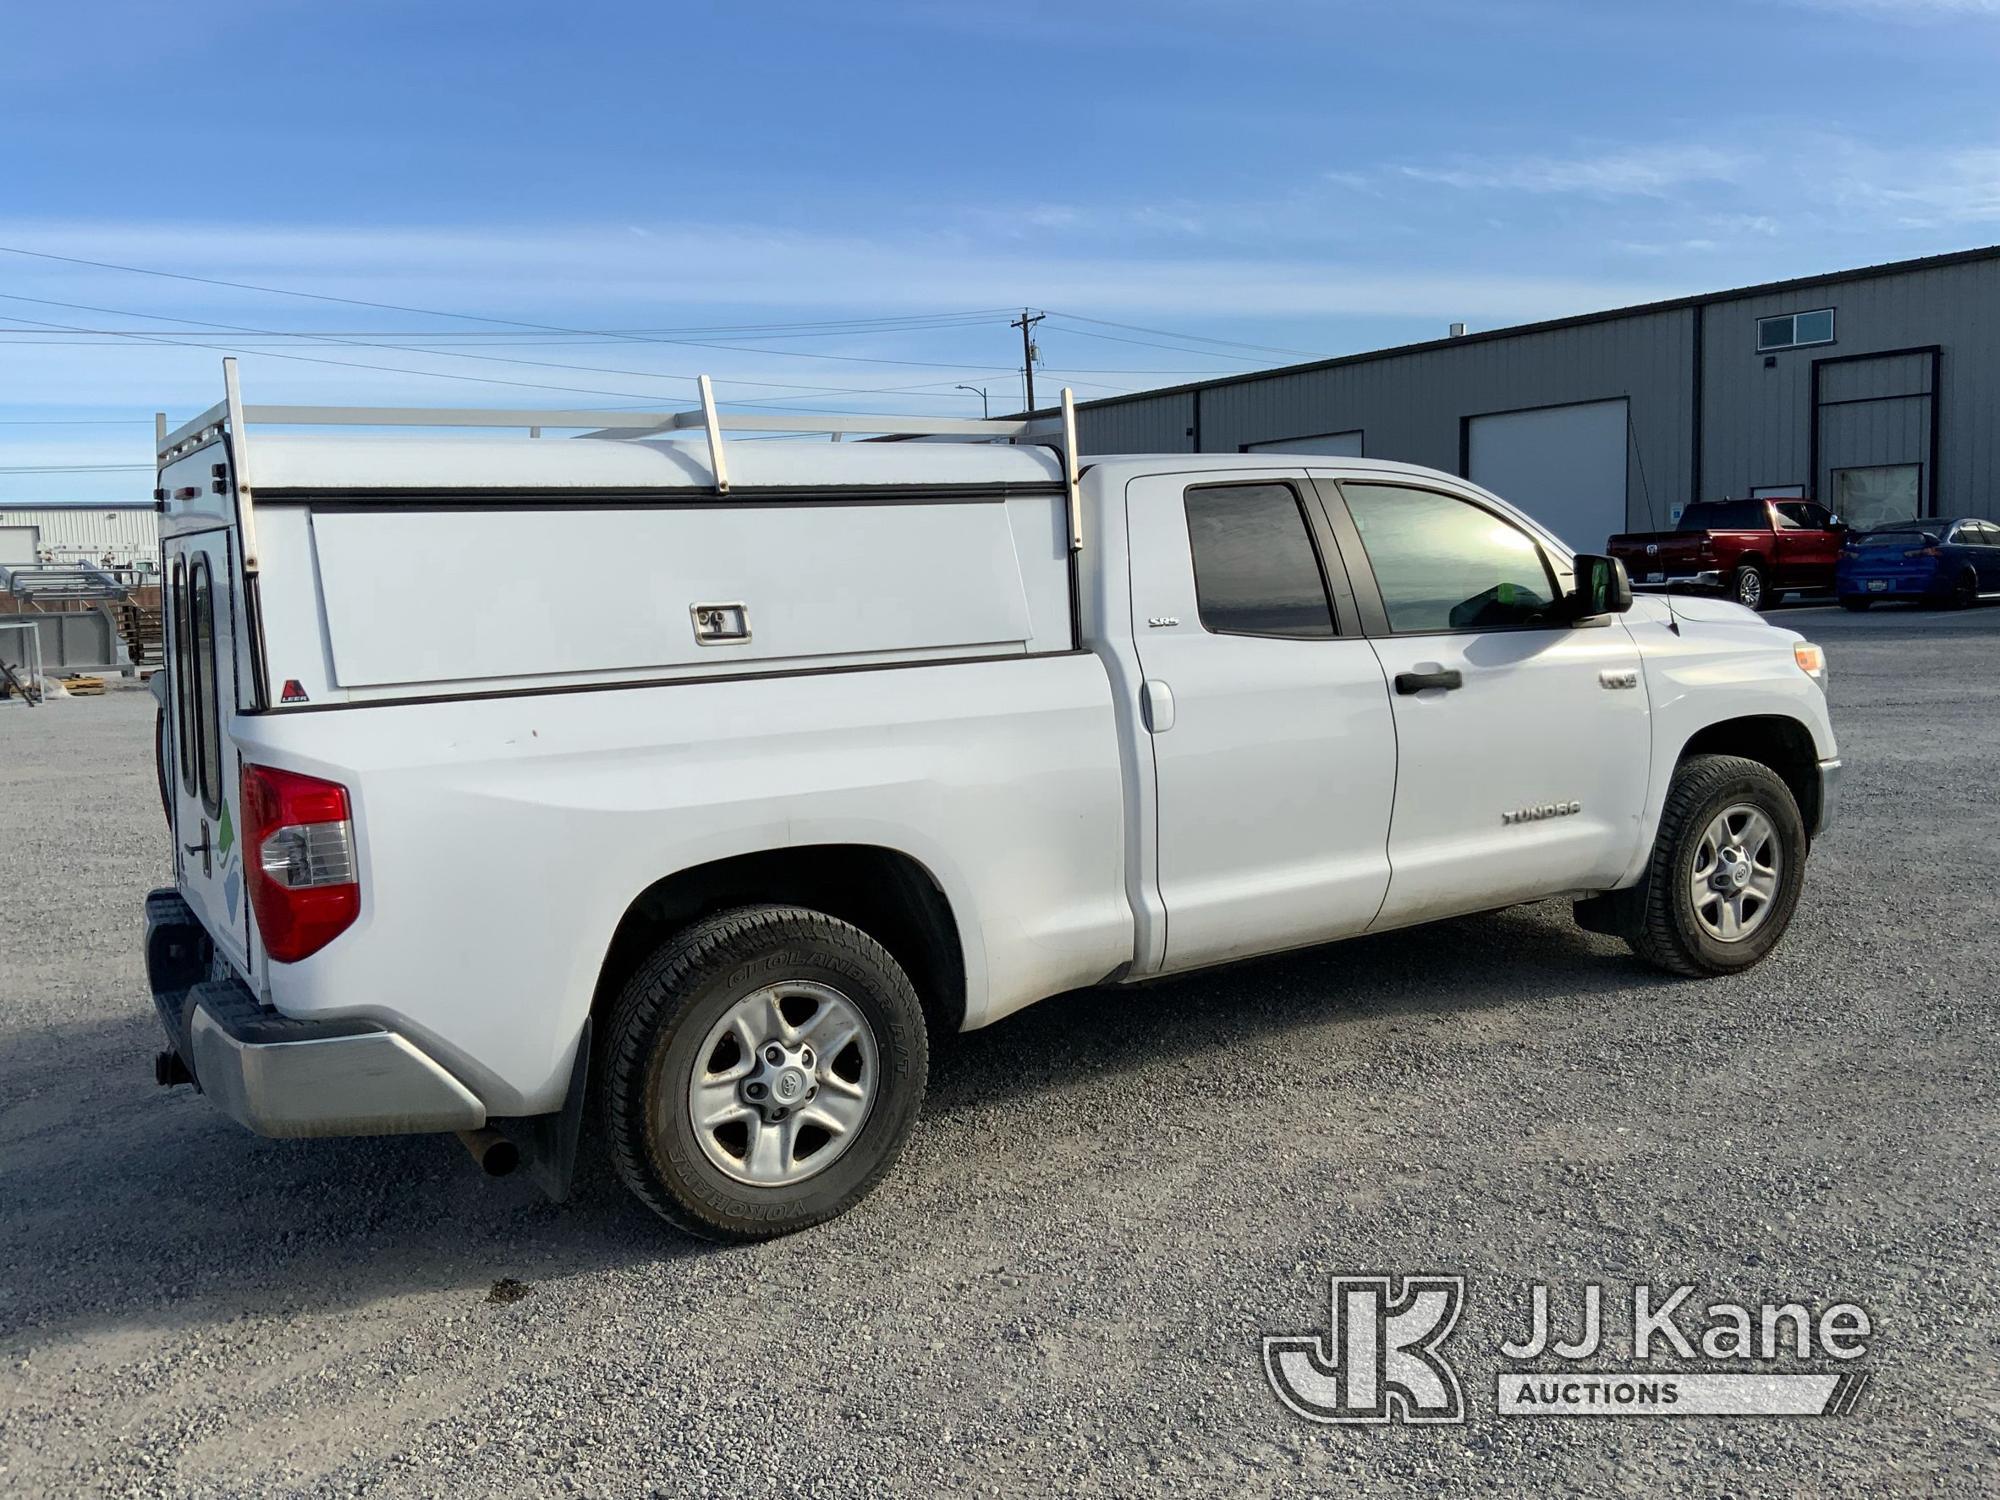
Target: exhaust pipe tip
[496, 1155]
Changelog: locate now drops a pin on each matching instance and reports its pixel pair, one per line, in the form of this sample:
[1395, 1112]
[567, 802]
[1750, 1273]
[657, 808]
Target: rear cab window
[1256, 568]
[1725, 515]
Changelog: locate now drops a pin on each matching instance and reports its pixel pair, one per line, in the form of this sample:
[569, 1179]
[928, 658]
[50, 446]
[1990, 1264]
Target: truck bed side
[501, 840]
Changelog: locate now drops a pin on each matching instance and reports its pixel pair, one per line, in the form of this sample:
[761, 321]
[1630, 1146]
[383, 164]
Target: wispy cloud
[1644, 171]
[1922, 189]
[1907, 10]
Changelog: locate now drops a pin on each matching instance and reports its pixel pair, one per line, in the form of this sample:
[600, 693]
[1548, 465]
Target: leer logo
[1382, 1360]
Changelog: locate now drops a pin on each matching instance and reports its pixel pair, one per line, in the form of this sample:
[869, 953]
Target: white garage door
[17, 544]
[1563, 465]
[1339, 444]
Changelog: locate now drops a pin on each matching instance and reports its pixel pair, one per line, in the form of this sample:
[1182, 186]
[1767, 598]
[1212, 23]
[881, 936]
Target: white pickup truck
[700, 782]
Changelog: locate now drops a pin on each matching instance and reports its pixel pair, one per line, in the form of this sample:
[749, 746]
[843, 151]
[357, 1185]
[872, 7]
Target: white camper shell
[701, 778]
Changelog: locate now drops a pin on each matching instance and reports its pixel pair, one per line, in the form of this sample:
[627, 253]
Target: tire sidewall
[1764, 791]
[749, 962]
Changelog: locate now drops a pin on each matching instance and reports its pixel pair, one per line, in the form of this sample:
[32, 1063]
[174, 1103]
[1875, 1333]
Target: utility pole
[1024, 323]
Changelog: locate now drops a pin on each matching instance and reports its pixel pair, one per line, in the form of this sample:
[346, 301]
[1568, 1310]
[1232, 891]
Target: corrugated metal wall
[1412, 406]
[130, 534]
[1757, 423]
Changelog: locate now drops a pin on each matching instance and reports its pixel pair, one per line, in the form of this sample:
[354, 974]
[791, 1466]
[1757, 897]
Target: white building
[124, 535]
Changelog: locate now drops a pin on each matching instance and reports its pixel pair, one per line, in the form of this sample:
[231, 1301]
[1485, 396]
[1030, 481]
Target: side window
[1256, 570]
[1818, 516]
[183, 680]
[201, 613]
[1446, 564]
[1793, 515]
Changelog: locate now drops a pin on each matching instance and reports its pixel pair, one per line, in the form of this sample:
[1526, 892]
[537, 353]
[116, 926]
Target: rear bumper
[1829, 796]
[280, 1076]
[1670, 582]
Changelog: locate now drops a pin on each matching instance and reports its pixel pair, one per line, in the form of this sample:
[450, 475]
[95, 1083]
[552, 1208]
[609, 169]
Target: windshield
[1725, 515]
[1876, 539]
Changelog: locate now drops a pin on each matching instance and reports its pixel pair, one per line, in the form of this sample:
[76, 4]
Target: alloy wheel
[783, 1083]
[1737, 869]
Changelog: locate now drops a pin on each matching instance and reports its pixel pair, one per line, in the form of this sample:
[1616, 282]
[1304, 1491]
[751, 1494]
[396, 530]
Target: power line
[441, 313]
[1198, 338]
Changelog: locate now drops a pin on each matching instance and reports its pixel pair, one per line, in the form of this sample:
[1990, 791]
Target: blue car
[1929, 561]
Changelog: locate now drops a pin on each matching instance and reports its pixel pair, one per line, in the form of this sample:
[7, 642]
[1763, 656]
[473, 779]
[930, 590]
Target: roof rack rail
[230, 413]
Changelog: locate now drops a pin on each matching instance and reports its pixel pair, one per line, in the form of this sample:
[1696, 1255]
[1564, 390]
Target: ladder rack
[230, 413]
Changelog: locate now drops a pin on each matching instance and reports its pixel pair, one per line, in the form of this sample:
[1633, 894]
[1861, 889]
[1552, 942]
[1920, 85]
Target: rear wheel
[1726, 870]
[765, 1068]
[1965, 590]
[1855, 602]
[1748, 586]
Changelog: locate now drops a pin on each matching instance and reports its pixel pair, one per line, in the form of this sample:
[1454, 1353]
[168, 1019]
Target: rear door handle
[1415, 682]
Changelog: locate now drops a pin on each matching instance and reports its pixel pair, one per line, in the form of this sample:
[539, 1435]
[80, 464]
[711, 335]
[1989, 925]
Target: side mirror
[1602, 587]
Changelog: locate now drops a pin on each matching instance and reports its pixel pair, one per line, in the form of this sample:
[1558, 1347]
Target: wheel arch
[1779, 741]
[885, 892]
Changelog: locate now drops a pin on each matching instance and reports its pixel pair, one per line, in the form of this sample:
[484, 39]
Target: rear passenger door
[1266, 713]
[1524, 740]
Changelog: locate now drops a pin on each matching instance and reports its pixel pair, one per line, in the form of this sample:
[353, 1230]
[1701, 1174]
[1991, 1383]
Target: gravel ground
[1109, 1199]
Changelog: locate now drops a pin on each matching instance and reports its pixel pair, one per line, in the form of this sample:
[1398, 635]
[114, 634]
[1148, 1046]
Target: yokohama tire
[667, 1014]
[1667, 932]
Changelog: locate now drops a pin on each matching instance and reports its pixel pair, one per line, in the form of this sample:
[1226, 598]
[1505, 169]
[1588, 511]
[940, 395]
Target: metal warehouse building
[127, 534]
[1875, 390]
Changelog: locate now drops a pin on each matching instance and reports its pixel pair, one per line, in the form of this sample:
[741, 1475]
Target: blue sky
[1309, 177]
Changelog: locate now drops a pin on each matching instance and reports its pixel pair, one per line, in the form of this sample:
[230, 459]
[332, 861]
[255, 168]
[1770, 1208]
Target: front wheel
[1748, 586]
[764, 1071]
[1726, 871]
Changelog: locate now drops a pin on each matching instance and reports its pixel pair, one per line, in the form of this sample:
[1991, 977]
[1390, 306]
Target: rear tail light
[299, 857]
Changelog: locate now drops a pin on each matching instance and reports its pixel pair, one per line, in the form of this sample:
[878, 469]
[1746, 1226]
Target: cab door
[1266, 715]
[201, 664]
[1524, 743]
[1807, 546]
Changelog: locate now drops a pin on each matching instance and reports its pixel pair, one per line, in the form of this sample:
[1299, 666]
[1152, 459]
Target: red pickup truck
[1755, 551]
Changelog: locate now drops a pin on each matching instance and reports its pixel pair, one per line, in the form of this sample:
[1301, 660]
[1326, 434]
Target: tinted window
[1446, 564]
[1725, 515]
[1989, 534]
[1818, 516]
[1793, 515]
[1885, 539]
[201, 615]
[1256, 571]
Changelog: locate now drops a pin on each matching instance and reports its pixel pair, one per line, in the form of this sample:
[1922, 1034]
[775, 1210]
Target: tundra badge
[1545, 810]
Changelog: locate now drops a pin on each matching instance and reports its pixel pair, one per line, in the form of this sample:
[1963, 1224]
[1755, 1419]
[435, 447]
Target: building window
[1794, 330]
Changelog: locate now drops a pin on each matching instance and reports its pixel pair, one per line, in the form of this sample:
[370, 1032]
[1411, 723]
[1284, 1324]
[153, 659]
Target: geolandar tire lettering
[1726, 869]
[763, 1072]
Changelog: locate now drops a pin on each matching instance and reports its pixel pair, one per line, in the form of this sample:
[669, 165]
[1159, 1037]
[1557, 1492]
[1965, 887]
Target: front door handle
[1415, 682]
[1156, 706]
